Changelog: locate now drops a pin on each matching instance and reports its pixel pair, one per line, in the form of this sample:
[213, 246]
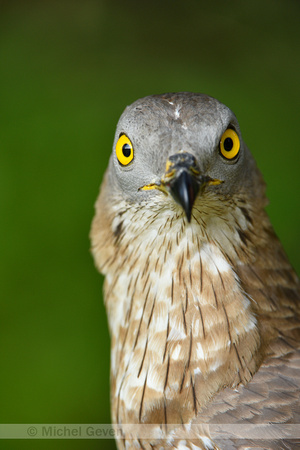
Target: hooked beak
[183, 180]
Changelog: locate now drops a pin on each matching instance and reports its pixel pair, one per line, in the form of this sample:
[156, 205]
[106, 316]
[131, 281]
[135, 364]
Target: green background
[67, 70]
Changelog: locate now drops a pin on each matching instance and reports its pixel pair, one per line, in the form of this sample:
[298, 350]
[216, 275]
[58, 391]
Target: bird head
[180, 150]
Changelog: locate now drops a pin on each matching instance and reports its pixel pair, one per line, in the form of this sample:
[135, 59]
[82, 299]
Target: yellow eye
[124, 150]
[229, 144]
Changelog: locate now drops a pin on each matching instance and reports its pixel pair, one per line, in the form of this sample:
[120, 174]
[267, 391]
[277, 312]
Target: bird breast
[180, 323]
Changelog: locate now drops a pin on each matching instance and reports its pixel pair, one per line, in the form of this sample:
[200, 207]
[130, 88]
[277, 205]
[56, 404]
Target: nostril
[183, 159]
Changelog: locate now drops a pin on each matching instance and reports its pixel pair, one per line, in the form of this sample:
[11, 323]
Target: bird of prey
[202, 302]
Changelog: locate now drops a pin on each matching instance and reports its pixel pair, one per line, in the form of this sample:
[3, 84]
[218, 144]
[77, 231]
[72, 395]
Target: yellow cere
[149, 187]
[229, 144]
[124, 150]
[214, 182]
[168, 165]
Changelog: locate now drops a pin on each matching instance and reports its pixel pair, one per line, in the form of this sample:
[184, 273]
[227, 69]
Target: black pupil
[126, 149]
[228, 144]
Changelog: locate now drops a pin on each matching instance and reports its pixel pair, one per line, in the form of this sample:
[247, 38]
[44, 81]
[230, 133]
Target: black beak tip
[184, 189]
[188, 215]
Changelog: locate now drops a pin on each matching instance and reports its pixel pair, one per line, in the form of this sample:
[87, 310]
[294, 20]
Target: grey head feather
[162, 125]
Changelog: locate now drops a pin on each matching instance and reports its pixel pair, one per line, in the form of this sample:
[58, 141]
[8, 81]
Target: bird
[203, 304]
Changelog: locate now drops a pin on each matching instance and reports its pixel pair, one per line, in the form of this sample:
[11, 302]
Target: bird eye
[229, 144]
[124, 150]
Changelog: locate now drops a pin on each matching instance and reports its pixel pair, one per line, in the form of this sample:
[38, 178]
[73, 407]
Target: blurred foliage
[68, 69]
